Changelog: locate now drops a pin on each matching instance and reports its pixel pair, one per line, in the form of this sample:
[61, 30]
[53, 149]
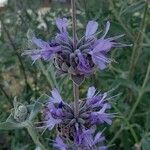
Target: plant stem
[6, 95]
[120, 20]
[141, 93]
[74, 29]
[74, 22]
[22, 68]
[138, 43]
[121, 129]
[76, 99]
[32, 131]
[135, 105]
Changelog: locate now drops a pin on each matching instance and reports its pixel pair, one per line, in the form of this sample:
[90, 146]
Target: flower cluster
[79, 130]
[78, 57]
[78, 60]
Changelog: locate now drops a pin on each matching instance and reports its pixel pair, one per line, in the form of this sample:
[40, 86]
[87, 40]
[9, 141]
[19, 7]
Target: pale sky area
[3, 2]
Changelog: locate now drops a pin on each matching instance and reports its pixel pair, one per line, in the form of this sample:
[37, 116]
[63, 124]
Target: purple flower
[101, 116]
[101, 47]
[53, 112]
[93, 111]
[78, 130]
[96, 100]
[59, 144]
[81, 60]
[46, 50]
[100, 104]
[84, 64]
[86, 139]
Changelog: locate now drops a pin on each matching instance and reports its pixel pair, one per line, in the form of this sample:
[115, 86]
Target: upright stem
[74, 22]
[76, 99]
[6, 95]
[22, 68]
[74, 29]
[140, 93]
[116, 14]
[138, 100]
[138, 43]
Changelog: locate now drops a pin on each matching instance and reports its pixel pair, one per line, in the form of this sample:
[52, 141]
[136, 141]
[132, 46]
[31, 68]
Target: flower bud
[20, 113]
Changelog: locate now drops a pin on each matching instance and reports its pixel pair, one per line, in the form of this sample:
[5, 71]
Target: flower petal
[56, 98]
[91, 28]
[91, 92]
[83, 65]
[100, 60]
[102, 45]
[106, 29]
[40, 43]
[60, 144]
[62, 24]
[51, 122]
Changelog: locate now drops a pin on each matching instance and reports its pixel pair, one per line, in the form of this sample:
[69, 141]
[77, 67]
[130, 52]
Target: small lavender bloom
[96, 100]
[87, 140]
[99, 103]
[53, 113]
[101, 116]
[59, 144]
[46, 50]
[101, 47]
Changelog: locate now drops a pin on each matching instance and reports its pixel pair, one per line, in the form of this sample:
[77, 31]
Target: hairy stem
[76, 99]
[22, 68]
[74, 29]
[139, 98]
[6, 95]
[138, 43]
[121, 129]
[74, 22]
[140, 93]
[115, 12]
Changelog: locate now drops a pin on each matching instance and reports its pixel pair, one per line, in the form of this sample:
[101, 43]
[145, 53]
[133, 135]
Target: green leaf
[147, 88]
[133, 7]
[37, 106]
[125, 140]
[10, 126]
[146, 144]
[127, 83]
[36, 109]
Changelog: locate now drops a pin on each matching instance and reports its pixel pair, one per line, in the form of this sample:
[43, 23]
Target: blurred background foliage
[129, 74]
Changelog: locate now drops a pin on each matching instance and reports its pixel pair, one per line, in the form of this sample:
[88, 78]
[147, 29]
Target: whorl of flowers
[76, 122]
[79, 131]
[79, 61]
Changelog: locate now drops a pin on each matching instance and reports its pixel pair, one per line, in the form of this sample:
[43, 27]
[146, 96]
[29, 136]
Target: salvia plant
[75, 122]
